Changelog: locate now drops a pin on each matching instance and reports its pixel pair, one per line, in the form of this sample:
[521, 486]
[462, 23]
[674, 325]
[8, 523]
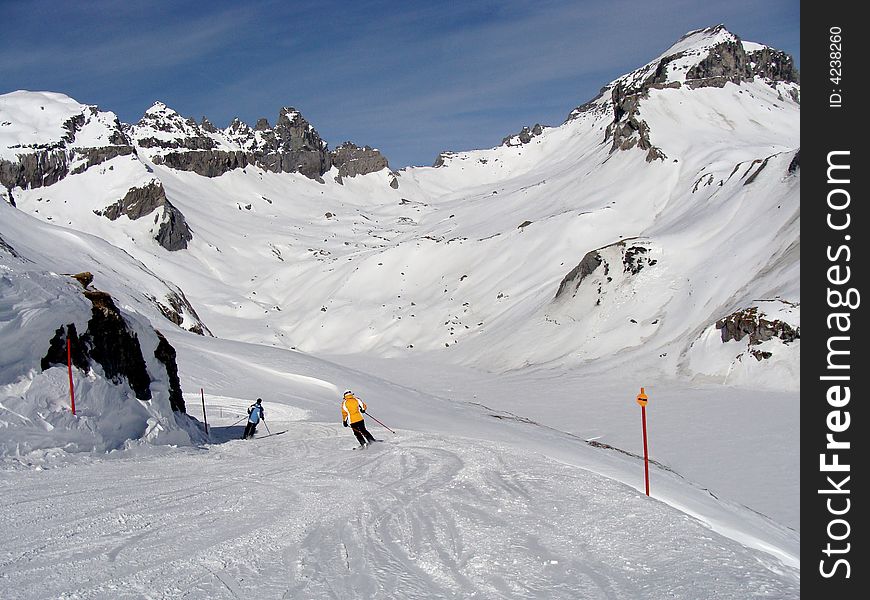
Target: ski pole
[237, 422]
[266, 426]
[381, 424]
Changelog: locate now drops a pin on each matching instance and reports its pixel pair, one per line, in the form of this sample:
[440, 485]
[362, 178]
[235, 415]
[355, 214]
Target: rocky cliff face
[351, 160]
[291, 146]
[86, 138]
[750, 323]
[634, 256]
[142, 201]
[111, 343]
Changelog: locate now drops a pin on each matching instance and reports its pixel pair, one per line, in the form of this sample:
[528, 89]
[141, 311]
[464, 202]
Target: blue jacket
[255, 413]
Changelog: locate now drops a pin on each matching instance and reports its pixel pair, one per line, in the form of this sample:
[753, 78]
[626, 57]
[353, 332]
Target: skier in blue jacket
[255, 414]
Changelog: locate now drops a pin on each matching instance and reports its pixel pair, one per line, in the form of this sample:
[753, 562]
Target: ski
[276, 433]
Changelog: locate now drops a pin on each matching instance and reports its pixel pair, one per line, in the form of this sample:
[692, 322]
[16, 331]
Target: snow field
[301, 515]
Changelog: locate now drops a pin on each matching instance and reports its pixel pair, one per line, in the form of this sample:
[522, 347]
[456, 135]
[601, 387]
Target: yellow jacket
[351, 408]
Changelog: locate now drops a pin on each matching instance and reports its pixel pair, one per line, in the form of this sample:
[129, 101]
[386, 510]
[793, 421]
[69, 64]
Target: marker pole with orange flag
[642, 399]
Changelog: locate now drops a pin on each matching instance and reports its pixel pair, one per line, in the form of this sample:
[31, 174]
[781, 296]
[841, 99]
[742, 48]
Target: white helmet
[346, 392]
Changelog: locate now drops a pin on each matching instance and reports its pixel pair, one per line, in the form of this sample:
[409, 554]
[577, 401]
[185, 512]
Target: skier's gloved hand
[344, 423]
[362, 410]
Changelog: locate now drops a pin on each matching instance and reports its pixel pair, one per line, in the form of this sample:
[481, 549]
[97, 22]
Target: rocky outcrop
[35, 169]
[524, 136]
[174, 234]
[138, 202]
[443, 157]
[165, 353]
[8, 249]
[591, 261]
[351, 160]
[729, 61]
[627, 129]
[45, 164]
[291, 146]
[723, 58]
[752, 324]
[795, 163]
[208, 163]
[179, 310]
[111, 343]
[634, 256]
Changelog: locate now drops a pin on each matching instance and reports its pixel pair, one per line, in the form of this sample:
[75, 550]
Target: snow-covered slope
[651, 239]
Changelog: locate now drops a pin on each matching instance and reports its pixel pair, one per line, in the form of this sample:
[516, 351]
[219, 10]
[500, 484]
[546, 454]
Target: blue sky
[410, 78]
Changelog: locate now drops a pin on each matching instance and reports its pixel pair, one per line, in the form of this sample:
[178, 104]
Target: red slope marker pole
[72, 395]
[642, 399]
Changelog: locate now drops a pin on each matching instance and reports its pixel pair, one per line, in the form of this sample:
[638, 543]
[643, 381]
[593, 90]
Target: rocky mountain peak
[708, 57]
[352, 160]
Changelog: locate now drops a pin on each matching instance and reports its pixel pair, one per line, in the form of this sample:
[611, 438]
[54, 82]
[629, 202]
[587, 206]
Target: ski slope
[300, 515]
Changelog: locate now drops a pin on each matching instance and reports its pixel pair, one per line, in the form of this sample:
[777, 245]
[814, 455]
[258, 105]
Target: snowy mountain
[507, 300]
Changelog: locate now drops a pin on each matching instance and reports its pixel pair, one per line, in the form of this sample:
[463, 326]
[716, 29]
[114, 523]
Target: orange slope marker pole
[642, 399]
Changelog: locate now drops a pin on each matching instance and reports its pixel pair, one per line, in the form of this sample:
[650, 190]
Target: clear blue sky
[410, 78]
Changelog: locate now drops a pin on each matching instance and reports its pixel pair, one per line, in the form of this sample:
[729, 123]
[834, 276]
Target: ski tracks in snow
[301, 516]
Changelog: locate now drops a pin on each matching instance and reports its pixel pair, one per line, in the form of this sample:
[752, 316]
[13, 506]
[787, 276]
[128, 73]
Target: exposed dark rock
[206, 125]
[524, 136]
[138, 202]
[752, 177]
[352, 160]
[441, 159]
[748, 322]
[57, 349]
[795, 163]
[292, 146]
[34, 169]
[95, 156]
[627, 130]
[165, 353]
[109, 342]
[728, 61]
[174, 232]
[591, 261]
[394, 183]
[208, 163]
[725, 62]
[46, 164]
[199, 142]
[178, 306]
[635, 259]
[114, 346]
[9, 249]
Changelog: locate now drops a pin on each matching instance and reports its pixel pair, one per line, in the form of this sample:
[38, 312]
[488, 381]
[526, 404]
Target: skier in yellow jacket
[352, 409]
